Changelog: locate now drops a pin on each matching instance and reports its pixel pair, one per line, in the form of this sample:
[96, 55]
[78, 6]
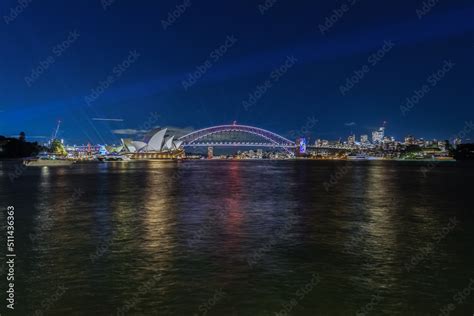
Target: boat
[47, 160]
[114, 157]
[357, 157]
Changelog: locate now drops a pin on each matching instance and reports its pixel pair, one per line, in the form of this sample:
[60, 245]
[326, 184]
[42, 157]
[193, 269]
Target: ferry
[113, 158]
[357, 157]
[47, 160]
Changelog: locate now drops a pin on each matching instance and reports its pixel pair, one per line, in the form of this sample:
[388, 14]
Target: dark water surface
[242, 238]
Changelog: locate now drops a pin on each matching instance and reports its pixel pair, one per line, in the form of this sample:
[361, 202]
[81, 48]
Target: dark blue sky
[42, 82]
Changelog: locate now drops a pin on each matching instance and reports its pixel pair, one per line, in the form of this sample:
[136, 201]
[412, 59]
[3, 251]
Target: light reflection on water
[196, 224]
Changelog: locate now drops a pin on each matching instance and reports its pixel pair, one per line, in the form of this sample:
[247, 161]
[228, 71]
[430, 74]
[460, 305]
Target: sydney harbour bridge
[235, 135]
[159, 143]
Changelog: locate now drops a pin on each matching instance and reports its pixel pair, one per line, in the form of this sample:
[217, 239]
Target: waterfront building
[155, 145]
[443, 145]
[409, 140]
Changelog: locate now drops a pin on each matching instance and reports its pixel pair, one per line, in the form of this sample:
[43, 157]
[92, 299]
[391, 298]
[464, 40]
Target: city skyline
[342, 65]
[245, 157]
[305, 131]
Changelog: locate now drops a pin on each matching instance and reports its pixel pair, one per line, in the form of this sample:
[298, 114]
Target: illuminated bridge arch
[263, 137]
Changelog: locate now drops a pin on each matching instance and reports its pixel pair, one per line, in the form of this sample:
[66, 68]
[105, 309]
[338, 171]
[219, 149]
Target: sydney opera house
[155, 145]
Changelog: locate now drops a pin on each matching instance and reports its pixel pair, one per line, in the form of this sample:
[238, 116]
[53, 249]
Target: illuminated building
[301, 146]
[377, 136]
[443, 145]
[154, 146]
[364, 139]
[409, 140]
[351, 139]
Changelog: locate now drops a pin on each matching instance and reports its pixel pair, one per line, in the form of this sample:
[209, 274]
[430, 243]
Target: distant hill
[464, 152]
[17, 147]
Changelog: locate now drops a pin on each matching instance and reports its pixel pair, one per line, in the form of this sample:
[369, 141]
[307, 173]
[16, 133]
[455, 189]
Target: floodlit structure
[156, 145]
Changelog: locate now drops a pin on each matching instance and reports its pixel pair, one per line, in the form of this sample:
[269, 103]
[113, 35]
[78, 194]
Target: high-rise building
[364, 139]
[377, 136]
[409, 140]
[351, 139]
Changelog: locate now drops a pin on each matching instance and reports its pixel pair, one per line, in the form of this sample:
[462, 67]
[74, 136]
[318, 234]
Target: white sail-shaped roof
[177, 144]
[138, 145]
[156, 140]
[127, 144]
[168, 143]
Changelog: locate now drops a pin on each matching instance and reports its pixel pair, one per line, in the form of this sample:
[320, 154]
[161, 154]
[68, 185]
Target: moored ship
[47, 160]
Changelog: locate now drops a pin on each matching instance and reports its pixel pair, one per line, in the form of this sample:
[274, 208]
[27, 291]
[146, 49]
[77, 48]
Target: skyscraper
[364, 139]
[377, 136]
[351, 139]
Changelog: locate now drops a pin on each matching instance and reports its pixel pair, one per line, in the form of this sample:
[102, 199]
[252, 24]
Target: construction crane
[55, 133]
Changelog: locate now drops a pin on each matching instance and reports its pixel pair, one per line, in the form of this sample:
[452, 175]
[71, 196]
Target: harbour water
[242, 238]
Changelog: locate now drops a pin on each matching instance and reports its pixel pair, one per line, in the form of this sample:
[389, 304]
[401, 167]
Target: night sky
[55, 54]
